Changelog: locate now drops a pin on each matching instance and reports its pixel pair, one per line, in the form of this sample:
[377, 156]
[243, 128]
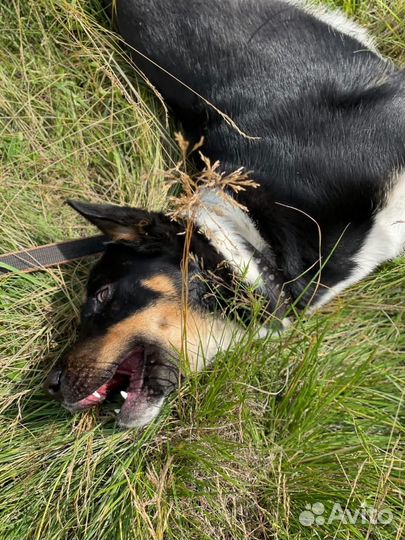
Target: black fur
[325, 125]
[156, 244]
[327, 111]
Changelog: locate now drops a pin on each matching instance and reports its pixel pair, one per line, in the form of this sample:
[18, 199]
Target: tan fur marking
[161, 284]
[161, 323]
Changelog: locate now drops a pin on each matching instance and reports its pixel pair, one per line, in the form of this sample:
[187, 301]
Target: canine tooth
[97, 395]
[117, 411]
[124, 394]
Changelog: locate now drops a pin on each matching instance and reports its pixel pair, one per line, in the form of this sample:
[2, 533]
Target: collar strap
[272, 282]
[38, 258]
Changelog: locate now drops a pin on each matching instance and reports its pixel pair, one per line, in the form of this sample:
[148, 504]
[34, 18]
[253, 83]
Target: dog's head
[134, 324]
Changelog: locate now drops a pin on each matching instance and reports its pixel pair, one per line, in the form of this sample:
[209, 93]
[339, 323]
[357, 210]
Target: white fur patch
[385, 241]
[227, 227]
[217, 335]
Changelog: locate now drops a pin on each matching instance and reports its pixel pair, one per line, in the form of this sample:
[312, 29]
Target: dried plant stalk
[210, 177]
[184, 206]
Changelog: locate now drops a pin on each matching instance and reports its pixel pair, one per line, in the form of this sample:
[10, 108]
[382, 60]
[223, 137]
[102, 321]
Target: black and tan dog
[325, 115]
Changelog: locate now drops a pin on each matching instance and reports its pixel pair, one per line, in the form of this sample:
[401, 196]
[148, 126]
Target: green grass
[314, 416]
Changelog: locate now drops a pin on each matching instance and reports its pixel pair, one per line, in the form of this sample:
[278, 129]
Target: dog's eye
[103, 294]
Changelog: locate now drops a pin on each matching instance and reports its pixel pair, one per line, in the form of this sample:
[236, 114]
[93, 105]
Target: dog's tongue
[134, 367]
[135, 404]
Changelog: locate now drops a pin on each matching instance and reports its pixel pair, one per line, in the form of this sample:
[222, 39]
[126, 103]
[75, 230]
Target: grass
[316, 416]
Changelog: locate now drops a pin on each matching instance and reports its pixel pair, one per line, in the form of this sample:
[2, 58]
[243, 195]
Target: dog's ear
[125, 223]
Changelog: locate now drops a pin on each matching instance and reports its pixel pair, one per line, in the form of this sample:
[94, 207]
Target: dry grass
[313, 416]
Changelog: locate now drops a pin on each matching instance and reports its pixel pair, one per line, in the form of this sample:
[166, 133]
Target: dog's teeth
[97, 395]
[117, 411]
[124, 394]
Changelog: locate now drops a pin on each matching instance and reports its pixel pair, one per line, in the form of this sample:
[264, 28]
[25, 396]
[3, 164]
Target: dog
[301, 98]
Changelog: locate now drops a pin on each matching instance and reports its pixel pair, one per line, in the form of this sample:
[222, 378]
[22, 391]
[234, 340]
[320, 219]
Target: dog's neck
[234, 236]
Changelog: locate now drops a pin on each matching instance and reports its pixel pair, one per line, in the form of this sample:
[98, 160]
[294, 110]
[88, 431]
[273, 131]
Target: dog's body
[318, 121]
[328, 111]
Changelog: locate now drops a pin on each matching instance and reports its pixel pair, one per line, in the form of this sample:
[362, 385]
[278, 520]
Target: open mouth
[128, 380]
[142, 380]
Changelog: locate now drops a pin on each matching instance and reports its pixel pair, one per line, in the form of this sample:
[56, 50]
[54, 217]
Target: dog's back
[323, 111]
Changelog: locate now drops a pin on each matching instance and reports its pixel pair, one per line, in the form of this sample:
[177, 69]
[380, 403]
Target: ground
[276, 434]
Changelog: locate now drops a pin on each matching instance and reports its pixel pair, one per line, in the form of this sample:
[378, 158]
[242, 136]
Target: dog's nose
[52, 383]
